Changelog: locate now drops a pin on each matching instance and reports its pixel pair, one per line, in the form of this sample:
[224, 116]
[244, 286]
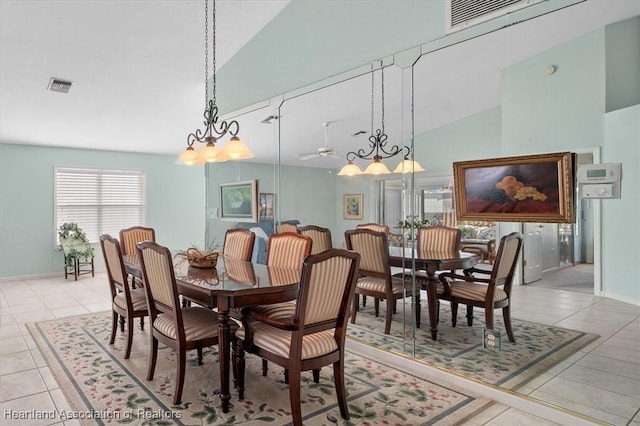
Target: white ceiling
[137, 68]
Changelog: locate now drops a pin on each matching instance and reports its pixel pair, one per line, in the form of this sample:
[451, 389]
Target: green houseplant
[410, 224]
[74, 242]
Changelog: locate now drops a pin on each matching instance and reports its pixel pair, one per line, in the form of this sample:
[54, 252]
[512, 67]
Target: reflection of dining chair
[320, 236]
[238, 244]
[126, 303]
[378, 227]
[314, 335]
[489, 293]
[440, 239]
[129, 237]
[181, 329]
[375, 273]
[285, 254]
[288, 227]
[240, 271]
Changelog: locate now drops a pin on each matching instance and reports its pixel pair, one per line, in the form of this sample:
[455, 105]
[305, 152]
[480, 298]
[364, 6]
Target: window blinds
[100, 201]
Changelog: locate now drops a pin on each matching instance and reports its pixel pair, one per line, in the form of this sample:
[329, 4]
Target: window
[99, 201]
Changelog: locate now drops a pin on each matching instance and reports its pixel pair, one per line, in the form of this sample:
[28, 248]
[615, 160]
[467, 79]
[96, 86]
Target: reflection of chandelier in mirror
[235, 149]
[377, 145]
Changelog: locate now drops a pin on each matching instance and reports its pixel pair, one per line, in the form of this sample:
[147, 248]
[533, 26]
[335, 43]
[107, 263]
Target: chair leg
[454, 313]
[354, 311]
[470, 315]
[376, 304]
[294, 397]
[122, 321]
[129, 338]
[153, 356]
[114, 326]
[364, 301]
[395, 306]
[199, 356]
[239, 369]
[488, 318]
[341, 395]
[141, 323]
[506, 313]
[76, 268]
[389, 316]
[286, 376]
[316, 375]
[181, 361]
[265, 367]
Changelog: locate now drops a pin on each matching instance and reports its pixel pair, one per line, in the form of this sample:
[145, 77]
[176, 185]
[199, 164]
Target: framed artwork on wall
[528, 188]
[266, 206]
[352, 205]
[239, 201]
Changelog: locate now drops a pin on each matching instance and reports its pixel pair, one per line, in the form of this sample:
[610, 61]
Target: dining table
[230, 285]
[412, 259]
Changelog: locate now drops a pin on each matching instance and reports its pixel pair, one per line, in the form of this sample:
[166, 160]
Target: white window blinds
[99, 201]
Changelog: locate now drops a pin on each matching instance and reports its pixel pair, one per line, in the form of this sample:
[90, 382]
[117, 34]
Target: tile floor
[602, 381]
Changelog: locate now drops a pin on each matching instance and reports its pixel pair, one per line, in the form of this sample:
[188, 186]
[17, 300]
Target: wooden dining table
[231, 284]
[413, 259]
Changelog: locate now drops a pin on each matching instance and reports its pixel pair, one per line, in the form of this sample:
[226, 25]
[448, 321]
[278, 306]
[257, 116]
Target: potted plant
[74, 242]
[410, 224]
[201, 258]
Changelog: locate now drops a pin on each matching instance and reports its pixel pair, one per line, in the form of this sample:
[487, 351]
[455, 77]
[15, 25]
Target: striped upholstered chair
[320, 236]
[375, 274]
[129, 237]
[314, 336]
[439, 239]
[181, 329]
[238, 244]
[378, 227]
[126, 303]
[492, 290]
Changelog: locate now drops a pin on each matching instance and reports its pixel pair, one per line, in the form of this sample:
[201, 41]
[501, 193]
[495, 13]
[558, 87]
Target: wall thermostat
[599, 180]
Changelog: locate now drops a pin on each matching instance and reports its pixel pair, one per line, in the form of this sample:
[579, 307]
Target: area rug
[460, 349]
[104, 388]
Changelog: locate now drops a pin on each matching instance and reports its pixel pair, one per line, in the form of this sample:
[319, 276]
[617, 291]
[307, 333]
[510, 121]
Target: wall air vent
[58, 85]
[465, 13]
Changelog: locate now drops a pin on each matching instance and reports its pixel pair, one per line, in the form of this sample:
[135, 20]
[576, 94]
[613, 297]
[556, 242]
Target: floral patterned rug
[537, 347]
[104, 388]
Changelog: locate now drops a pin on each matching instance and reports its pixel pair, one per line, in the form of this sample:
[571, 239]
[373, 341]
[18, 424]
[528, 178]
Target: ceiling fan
[323, 151]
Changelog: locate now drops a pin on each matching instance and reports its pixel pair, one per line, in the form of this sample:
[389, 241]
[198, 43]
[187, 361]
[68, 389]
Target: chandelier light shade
[213, 131]
[377, 149]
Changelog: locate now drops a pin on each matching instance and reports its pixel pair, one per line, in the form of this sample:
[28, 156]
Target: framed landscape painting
[352, 206]
[529, 188]
[239, 201]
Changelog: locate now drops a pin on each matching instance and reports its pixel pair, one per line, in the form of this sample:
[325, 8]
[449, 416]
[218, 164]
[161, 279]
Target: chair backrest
[288, 250]
[439, 239]
[326, 288]
[159, 280]
[378, 227]
[129, 237]
[116, 271]
[238, 244]
[506, 259]
[288, 227]
[320, 236]
[373, 249]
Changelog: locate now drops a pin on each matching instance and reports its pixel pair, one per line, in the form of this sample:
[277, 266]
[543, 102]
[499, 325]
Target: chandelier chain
[372, 104]
[206, 53]
[382, 89]
[213, 18]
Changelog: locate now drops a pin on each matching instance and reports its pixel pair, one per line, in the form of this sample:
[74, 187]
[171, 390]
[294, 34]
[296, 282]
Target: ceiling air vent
[465, 13]
[58, 85]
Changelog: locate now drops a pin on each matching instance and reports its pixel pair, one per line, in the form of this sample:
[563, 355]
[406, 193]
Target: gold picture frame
[352, 206]
[528, 188]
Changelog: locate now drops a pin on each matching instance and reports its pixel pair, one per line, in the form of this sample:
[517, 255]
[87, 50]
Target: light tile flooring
[602, 381]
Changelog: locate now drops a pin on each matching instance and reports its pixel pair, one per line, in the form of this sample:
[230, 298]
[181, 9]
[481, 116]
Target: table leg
[432, 302]
[224, 343]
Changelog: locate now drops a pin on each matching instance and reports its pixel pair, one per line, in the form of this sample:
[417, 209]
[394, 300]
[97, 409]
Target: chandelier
[235, 149]
[377, 149]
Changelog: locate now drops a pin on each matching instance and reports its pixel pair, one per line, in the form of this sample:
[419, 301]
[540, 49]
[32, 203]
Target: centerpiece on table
[201, 258]
[410, 225]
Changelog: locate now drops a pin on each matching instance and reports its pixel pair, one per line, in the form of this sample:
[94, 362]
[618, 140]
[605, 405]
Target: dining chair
[320, 236]
[181, 329]
[491, 291]
[285, 251]
[238, 244]
[437, 238]
[129, 237]
[314, 335]
[126, 303]
[378, 227]
[375, 274]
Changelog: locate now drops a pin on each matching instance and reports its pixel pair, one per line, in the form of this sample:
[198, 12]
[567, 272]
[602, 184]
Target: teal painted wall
[620, 225]
[175, 202]
[623, 67]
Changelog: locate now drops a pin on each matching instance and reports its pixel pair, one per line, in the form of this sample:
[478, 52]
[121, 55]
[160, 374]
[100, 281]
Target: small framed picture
[266, 206]
[238, 201]
[352, 206]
